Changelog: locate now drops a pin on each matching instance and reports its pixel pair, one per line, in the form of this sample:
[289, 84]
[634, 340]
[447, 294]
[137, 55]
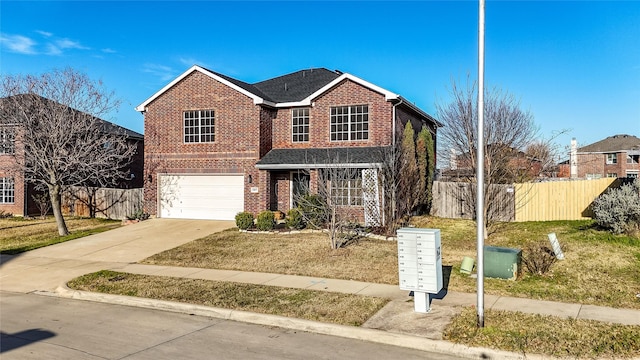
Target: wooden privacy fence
[558, 200]
[542, 201]
[103, 202]
[457, 200]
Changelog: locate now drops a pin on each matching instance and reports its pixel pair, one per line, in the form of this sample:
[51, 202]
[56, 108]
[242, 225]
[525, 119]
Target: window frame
[348, 192]
[196, 134]
[7, 141]
[7, 190]
[300, 130]
[611, 158]
[352, 123]
[633, 159]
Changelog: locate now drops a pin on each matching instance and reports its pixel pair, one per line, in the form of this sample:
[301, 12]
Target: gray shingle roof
[287, 88]
[296, 86]
[613, 143]
[321, 157]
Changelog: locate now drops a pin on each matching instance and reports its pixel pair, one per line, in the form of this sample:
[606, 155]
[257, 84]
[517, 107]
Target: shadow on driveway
[9, 342]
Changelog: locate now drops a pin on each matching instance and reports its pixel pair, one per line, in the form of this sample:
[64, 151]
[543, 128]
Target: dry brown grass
[599, 269]
[344, 309]
[18, 234]
[300, 254]
[536, 334]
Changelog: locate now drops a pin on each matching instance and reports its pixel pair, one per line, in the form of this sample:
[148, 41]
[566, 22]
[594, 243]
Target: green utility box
[502, 263]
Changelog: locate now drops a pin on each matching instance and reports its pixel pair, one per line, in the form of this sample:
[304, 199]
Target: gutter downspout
[394, 121]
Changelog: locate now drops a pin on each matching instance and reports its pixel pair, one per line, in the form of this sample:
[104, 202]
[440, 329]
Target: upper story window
[199, 126]
[7, 141]
[350, 123]
[7, 192]
[612, 158]
[300, 125]
[633, 159]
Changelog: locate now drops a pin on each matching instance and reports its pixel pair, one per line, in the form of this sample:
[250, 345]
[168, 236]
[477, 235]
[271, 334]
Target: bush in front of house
[244, 220]
[295, 220]
[265, 221]
[619, 209]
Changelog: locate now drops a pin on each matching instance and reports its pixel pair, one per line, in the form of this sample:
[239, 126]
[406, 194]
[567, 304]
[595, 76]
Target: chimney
[573, 159]
[453, 163]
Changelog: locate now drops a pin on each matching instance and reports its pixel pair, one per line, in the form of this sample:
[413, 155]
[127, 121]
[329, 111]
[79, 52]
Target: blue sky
[575, 65]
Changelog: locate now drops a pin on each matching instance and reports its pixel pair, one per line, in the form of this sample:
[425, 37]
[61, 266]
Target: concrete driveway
[47, 268]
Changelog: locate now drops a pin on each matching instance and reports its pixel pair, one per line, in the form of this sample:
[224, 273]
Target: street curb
[351, 332]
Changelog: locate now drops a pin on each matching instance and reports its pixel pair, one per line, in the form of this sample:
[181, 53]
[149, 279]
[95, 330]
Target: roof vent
[338, 72]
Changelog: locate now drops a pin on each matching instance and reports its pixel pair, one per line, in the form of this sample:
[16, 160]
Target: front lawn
[599, 269]
[19, 234]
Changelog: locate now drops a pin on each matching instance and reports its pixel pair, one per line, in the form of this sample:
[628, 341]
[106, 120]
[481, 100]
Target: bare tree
[330, 206]
[63, 140]
[509, 132]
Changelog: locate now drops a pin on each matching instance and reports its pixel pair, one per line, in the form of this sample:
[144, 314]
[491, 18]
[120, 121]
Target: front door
[299, 186]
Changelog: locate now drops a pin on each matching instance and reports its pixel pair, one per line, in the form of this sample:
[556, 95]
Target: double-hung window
[350, 123]
[199, 126]
[346, 187]
[7, 191]
[7, 141]
[300, 125]
[612, 158]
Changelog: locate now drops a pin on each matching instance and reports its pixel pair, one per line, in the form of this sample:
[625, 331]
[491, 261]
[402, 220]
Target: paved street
[42, 327]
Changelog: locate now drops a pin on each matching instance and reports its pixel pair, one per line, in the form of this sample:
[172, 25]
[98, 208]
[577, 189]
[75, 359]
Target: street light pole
[480, 170]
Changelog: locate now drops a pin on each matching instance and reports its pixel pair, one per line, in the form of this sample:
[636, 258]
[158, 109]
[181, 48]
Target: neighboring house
[16, 194]
[514, 166]
[216, 146]
[615, 156]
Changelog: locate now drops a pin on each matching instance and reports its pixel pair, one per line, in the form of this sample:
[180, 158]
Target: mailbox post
[420, 264]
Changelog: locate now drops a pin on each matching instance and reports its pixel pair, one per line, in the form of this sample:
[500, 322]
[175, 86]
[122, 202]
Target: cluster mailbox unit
[420, 264]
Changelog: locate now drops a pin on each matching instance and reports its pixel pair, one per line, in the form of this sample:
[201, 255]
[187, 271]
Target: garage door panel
[217, 197]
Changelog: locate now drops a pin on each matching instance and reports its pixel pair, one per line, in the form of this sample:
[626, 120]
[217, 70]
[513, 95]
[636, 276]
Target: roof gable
[295, 89]
[613, 143]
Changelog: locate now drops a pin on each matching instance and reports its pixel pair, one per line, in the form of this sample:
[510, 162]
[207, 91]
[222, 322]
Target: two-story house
[614, 156]
[215, 146]
[16, 193]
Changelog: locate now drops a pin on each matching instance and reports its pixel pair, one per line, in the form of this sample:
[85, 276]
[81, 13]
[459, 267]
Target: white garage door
[214, 197]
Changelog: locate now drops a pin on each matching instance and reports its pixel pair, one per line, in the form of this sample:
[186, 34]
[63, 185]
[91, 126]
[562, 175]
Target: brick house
[16, 193]
[215, 145]
[614, 156]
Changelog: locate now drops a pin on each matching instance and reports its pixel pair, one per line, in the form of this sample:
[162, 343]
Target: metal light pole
[480, 169]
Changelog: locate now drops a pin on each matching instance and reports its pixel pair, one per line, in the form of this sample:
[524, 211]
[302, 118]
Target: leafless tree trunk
[64, 143]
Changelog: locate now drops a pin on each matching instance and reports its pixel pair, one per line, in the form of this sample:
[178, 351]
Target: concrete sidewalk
[47, 270]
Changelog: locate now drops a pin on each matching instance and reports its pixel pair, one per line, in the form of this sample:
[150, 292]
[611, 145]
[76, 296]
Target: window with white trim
[612, 158]
[346, 187]
[7, 191]
[7, 141]
[300, 125]
[633, 159]
[199, 126]
[350, 123]
[612, 175]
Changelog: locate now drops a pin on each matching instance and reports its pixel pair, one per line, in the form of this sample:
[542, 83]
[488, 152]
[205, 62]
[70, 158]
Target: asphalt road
[41, 327]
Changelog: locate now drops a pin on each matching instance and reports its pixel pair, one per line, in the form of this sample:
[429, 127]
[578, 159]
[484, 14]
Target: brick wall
[345, 93]
[237, 145]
